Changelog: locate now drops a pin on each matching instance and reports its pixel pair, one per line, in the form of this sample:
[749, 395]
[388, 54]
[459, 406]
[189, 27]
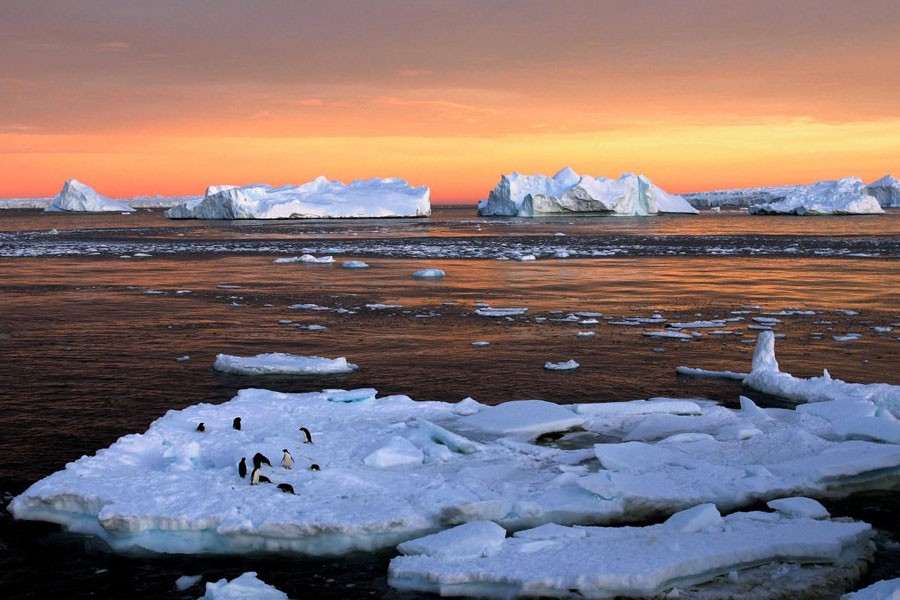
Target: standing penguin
[307, 436]
[242, 467]
[254, 476]
[201, 427]
[287, 460]
[236, 423]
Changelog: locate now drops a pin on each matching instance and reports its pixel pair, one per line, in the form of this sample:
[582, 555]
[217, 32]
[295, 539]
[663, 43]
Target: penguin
[242, 467]
[254, 476]
[201, 427]
[314, 467]
[264, 479]
[287, 460]
[286, 488]
[236, 423]
[259, 459]
[307, 436]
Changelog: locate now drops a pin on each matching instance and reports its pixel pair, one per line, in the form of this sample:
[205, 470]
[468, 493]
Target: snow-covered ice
[570, 194]
[78, 197]
[429, 274]
[317, 199]
[246, 587]
[842, 197]
[691, 548]
[278, 363]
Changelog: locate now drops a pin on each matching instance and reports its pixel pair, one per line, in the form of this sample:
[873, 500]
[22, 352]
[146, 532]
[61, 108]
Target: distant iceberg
[78, 197]
[568, 194]
[841, 197]
[886, 190]
[317, 199]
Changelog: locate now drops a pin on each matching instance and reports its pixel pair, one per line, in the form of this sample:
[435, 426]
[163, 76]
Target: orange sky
[167, 97]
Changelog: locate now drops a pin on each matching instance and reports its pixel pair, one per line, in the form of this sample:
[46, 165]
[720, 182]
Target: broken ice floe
[306, 258]
[883, 590]
[567, 365]
[354, 264]
[692, 547]
[488, 311]
[429, 274]
[245, 587]
[277, 363]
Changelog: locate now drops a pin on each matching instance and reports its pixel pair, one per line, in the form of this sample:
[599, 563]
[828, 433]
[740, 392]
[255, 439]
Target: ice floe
[691, 548]
[246, 587]
[883, 590]
[842, 197]
[429, 274]
[354, 264]
[567, 365]
[570, 194]
[277, 363]
[78, 197]
[488, 311]
[306, 258]
[316, 199]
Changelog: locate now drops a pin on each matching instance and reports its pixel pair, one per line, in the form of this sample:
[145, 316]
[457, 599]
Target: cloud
[113, 46]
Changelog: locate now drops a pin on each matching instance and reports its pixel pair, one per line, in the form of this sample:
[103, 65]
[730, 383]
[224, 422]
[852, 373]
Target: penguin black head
[264, 479]
[236, 423]
[286, 451]
[201, 427]
[286, 488]
[307, 436]
[314, 467]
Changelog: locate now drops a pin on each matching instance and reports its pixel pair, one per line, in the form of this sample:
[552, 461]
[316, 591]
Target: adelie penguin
[287, 460]
[242, 467]
[286, 488]
[236, 424]
[256, 477]
[201, 427]
[259, 459]
[307, 436]
[314, 467]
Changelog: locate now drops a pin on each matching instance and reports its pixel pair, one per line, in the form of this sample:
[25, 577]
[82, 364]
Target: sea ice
[842, 197]
[429, 274]
[354, 264]
[888, 589]
[246, 587]
[561, 366]
[568, 193]
[317, 199]
[78, 197]
[306, 258]
[186, 581]
[277, 363]
[488, 311]
[691, 548]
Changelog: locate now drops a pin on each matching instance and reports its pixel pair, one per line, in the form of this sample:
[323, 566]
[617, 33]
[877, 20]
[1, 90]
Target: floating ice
[246, 587]
[842, 197]
[561, 366]
[277, 363]
[848, 337]
[696, 324]
[570, 194]
[186, 581]
[306, 258]
[488, 311]
[481, 343]
[886, 190]
[677, 335]
[78, 197]
[317, 199]
[354, 264]
[379, 306]
[883, 590]
[692, 372]
[689, 549]
[429, 274]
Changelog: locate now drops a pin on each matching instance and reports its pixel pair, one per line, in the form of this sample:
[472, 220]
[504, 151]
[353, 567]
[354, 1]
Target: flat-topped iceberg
[279, 363]
[691, 548]
[317, 199]
[570, 194]
[886, 190]
[841, 197]
[78, 197]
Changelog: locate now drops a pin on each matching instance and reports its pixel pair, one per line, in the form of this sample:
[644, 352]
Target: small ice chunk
[561, 366]
[799, 507]
[469, 540]
[354, 264]
[429, 274]
[242, 588]
[282, 364]
[184, 358]
[676, 335]
[488, 311]
[481, 343]
[850, 337]
[586, 334]
[186, 581]
[693, 520]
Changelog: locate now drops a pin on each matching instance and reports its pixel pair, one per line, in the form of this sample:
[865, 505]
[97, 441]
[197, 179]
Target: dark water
[89, 355]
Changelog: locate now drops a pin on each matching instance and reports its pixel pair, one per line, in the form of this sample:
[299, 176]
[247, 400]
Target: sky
[169, 96]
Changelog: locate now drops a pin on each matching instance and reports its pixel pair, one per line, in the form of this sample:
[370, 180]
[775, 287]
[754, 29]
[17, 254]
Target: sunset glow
[169, 97]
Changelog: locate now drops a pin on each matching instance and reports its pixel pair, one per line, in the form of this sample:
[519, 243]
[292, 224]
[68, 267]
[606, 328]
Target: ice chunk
[469, 540]
[523, 417]
[316, 199]
[692, 372]
[561, 366]
[78, 197]
[354, 264]
[607, 562]
[245, 587]
[186, 581]
[888, 589]
[488, 311]
[429, 274]
[842, 197]
[281, 364]
[799, 507]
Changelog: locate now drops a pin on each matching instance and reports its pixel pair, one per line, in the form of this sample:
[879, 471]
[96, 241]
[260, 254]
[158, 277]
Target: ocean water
[95, 310]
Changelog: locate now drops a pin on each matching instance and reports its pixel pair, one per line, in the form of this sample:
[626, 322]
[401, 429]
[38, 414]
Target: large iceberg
[317, 199]
[568, 194]
[78, 197]
[841, 197]
[886, 190]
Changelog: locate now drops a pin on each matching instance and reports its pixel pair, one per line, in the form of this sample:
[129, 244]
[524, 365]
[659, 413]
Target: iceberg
[570, 194]
[691, 548]
[886, 190]
[78, 197]
[317, 199]
[244, 587]
[841, 197]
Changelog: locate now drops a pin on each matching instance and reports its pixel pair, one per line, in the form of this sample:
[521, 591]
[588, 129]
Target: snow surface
[317, 199]
[570, 194]
[692, 547]
[278, 363]
[842, 197]
[246, 587]
[78, 197]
